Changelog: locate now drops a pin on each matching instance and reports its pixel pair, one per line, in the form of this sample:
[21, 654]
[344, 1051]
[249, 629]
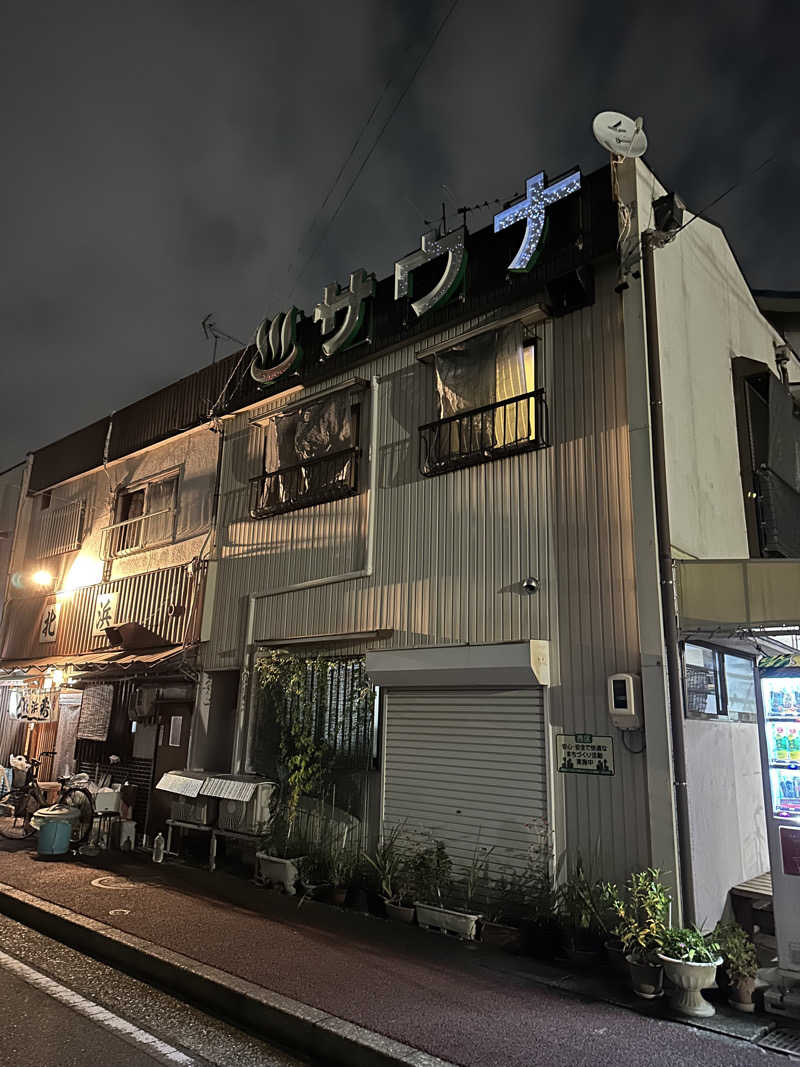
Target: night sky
[163, 161]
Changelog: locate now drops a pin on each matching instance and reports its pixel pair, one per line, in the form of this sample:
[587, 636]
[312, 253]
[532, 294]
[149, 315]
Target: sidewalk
[246, 954]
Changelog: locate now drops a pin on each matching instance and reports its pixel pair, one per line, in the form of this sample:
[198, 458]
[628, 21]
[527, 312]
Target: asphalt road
[60, 1021]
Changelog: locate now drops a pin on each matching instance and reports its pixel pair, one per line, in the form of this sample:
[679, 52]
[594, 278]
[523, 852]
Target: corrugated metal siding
[450, 551]
[596, 607]
[470, 768]
[142, 598]
[79, 451]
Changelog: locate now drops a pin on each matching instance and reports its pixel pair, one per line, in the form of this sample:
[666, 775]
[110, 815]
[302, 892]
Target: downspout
[652, 239]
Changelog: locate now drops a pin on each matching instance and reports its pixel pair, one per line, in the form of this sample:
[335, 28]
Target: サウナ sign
[585, 754]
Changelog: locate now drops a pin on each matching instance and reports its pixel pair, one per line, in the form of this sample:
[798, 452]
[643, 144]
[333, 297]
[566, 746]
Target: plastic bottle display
[779, 745]
[793, 745]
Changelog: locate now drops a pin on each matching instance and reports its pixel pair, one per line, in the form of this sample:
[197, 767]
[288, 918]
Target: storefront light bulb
[58, 678]
[42, 578]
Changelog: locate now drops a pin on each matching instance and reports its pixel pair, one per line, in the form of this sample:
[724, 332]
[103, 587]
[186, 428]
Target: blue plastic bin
[55, 829]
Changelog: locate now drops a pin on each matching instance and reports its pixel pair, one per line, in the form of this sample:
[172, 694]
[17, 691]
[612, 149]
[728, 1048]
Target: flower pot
[689, 979]
[338, 895]
[500, 935]
[399, 913]
[615, 954]
[277, 871]
[740, 994]
[646, 978]
[458, 923]
[582, 947]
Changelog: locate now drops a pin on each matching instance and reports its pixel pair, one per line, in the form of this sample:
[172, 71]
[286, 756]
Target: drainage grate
[783, 1039]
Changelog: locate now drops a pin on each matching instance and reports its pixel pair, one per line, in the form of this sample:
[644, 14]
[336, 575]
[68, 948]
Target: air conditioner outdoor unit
[188, 806]
[243, 801]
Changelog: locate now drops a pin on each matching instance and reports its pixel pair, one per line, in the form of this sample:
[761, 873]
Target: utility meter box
[623, 701]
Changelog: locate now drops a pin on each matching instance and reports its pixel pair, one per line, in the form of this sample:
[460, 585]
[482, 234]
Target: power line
[368, 156]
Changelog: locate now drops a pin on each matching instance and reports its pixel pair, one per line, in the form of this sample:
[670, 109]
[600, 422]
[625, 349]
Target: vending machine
[779, 730]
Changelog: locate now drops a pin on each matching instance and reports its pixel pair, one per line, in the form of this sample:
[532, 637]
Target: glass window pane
[741, 685]
[175, 723]
[702, 689]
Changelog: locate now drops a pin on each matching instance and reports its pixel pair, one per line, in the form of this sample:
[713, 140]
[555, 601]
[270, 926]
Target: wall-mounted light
[42, 578]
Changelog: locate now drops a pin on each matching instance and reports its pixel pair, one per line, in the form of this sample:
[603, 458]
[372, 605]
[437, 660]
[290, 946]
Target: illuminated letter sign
[352, 300]
[432, 247]
[532, 209]
[278, 350]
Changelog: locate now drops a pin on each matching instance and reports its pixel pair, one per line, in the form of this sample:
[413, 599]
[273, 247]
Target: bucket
[55, 829]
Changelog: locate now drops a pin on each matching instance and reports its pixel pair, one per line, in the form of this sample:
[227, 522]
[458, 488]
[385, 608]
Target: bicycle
[28, 798]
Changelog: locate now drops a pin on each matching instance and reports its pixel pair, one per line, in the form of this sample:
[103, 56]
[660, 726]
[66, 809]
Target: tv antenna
[212, 331]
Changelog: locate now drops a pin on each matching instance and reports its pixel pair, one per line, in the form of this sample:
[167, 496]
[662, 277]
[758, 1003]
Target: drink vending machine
[779, 732]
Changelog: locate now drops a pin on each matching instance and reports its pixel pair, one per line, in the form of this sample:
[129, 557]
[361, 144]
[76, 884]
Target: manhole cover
[783, 1039]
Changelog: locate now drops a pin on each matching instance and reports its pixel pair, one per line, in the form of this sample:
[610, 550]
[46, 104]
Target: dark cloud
[167, 160]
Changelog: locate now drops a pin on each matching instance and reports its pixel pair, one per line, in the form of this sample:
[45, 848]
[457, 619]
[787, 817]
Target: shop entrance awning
[107, 661]
[731, 595]
[32, 666]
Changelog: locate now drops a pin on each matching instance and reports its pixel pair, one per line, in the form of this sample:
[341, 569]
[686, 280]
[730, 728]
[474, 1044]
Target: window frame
[536, 396]
[724, 712]
[173, 474]
[360, 414]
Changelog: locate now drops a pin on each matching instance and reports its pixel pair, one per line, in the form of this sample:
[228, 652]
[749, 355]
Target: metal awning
[184, 783]
[135, 661]
[733, 595]
[81, 662]
[230, 787]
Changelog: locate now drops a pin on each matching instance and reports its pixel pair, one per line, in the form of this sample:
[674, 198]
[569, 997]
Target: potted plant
[505, 904]
[641, 923]
[740, 964]
[541, 931]
[579, 908]
[690, 962]
[278, 858]
[390, 865]
[431, 872]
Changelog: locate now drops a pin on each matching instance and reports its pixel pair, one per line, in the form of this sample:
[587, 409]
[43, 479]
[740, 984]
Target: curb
[298, 1027]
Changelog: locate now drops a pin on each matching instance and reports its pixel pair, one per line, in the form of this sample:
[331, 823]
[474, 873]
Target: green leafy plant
[580, 902]
[642, 915]
[689, 945]
[738, 952]
[390, 865]
[476, 876]
[430, 871]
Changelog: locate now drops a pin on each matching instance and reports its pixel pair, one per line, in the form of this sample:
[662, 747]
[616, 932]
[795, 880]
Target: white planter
[689, 979]
[458, 923]
[277, 871]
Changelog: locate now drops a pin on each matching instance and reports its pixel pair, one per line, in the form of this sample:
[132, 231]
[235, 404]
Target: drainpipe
[652, 239]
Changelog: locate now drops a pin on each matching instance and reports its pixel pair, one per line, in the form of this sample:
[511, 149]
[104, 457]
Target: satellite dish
[619, 135]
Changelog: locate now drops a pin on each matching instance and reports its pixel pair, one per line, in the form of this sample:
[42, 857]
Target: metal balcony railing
[305, 484]
[519, 424]
[132, 535]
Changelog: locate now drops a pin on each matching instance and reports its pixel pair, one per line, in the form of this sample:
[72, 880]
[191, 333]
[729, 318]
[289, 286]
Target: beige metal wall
[450, 552]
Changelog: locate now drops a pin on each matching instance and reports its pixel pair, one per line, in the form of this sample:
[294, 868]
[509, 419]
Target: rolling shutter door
[456, 762]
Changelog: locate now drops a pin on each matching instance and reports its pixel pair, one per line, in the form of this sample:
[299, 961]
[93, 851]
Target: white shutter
[456, 762]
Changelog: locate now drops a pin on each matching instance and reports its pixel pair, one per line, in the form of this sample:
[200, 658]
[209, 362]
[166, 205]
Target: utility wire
[721, 196]
[374, 145]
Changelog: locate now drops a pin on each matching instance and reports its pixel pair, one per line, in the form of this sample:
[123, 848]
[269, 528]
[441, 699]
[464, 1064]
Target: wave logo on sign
[278, 350]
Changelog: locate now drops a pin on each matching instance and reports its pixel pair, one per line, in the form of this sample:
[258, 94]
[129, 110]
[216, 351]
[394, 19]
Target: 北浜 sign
[276, 338]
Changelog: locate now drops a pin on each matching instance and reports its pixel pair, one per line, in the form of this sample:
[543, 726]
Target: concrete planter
[689, 979]
[500, 935]
[277, 871]
[458, 923]
[398, 912]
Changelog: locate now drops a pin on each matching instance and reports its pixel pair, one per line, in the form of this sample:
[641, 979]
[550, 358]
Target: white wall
[726, 811]
[706, 317]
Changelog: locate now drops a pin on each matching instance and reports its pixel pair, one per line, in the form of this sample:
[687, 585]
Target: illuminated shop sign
[276, 339]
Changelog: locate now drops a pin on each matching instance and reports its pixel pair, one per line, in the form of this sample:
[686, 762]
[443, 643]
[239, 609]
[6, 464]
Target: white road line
[95, 1012]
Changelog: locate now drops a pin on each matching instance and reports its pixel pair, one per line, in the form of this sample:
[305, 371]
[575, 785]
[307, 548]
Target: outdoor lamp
[42, 578]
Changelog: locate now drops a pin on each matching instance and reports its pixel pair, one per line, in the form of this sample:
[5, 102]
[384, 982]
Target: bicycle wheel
[24, 803]
[81, 799]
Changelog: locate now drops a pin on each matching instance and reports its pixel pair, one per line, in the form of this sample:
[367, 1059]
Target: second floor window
[60, 529]
[488, 405]
[144, 516]
[311, 455]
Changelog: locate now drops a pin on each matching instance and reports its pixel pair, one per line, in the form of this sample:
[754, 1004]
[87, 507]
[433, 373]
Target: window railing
[60, 530]
[519, 424]
[316, 481]
[132, 535]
